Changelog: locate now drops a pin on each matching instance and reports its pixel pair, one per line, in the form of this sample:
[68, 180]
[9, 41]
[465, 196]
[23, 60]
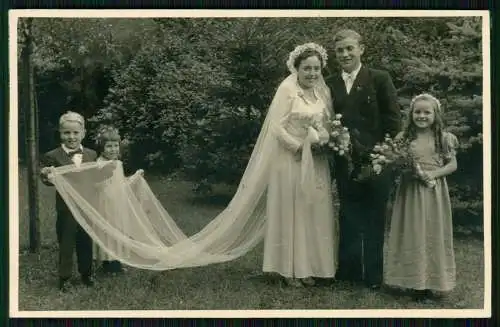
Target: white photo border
[16, 14]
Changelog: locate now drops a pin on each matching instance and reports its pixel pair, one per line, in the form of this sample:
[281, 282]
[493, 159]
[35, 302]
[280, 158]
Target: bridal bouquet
[391, 154]
[340, 139]
[396, 155]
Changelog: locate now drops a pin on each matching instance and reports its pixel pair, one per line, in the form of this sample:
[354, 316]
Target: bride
[284, 196]
[301, 240]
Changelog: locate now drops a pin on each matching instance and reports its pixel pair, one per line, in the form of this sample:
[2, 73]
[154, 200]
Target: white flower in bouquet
[345, 139]
[377, 168]
[340, 138]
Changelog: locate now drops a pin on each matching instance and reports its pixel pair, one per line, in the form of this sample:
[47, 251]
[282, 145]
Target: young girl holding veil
[301, 237]
[108, 142]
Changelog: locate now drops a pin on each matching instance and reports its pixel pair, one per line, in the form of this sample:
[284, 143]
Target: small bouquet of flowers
[340, 139]
[396, 155]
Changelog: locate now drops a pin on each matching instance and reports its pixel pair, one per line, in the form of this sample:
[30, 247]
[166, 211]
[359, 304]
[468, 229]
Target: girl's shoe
[308, 281]
[293, 282]
[420, 295]
[106, 266]
[116, 267]
[436, 296]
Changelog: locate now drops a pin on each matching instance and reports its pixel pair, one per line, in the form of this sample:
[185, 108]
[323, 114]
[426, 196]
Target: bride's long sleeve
[287, 140]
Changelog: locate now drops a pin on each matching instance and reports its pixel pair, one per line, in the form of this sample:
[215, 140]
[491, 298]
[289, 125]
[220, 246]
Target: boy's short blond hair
[72, 116]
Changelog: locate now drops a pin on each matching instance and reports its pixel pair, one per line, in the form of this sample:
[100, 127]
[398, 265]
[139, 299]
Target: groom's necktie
[348, 80]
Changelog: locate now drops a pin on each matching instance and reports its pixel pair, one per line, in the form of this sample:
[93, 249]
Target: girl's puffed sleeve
[450, 145]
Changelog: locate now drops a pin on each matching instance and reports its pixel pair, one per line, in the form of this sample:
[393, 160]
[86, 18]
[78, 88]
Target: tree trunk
[31, 137]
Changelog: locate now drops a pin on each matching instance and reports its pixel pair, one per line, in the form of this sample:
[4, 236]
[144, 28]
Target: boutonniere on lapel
[359, 88]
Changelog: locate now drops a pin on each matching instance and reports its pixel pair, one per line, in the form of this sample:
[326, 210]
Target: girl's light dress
[115, 216]
[420, 251]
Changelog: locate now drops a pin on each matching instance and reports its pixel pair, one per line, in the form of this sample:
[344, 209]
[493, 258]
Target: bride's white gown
[301, 237]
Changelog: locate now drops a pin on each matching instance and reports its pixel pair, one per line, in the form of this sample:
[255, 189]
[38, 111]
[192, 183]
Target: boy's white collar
[67, 150]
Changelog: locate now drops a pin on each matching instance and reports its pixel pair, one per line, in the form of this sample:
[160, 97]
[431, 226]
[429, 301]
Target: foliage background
[190, 94]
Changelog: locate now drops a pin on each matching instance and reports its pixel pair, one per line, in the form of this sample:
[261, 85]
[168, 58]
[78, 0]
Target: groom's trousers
[362, 220]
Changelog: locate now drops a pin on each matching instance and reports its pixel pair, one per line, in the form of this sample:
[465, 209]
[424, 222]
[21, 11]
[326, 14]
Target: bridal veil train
[145, 236]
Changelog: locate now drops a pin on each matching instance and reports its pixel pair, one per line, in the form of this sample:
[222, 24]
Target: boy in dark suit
[69, 232]
[367, 100]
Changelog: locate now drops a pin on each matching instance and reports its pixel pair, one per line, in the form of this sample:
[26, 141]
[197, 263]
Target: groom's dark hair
[347, 33]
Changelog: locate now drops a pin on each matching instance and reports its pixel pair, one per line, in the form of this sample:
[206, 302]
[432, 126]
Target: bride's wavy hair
[410, 130]
[306, 54]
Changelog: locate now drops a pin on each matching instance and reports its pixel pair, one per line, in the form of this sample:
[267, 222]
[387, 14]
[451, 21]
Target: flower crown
[426, 96]
[302, 48]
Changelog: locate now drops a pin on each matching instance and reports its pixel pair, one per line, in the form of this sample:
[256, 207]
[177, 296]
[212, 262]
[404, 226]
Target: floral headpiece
[426, 96]
[304, 47]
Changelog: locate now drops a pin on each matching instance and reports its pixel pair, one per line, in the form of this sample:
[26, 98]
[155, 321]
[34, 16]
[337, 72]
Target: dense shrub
[191, 94]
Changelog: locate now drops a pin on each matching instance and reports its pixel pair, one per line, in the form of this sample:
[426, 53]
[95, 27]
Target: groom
[366, 98]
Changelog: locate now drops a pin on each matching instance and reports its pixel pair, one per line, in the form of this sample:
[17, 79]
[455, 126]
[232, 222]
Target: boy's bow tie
[72, 153]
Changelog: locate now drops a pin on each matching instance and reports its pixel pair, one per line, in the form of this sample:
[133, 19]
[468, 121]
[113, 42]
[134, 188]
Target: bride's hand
[312, 135]
[298, 154]
[324, 136]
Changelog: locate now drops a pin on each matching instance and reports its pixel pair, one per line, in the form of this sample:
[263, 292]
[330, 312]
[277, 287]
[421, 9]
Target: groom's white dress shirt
[349, 78]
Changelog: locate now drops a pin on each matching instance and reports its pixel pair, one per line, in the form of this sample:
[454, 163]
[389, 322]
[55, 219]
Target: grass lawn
[233, 285]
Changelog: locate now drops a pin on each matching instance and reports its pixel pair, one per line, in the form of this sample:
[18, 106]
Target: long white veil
[124, 217]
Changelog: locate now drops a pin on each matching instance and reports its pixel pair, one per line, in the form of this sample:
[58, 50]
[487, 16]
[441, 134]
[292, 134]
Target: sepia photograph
[272, 163]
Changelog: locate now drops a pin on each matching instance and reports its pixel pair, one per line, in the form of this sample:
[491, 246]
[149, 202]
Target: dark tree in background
[29, 108]
[190, 95]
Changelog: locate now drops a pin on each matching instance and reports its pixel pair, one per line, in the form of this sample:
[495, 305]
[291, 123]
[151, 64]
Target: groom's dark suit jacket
[370, 110]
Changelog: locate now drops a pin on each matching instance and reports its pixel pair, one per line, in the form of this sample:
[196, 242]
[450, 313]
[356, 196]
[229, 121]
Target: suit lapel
[361, 80]
[338, 87]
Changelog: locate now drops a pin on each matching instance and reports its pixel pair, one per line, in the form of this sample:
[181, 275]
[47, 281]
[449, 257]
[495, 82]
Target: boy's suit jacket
[58, 157]
[370, 110]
